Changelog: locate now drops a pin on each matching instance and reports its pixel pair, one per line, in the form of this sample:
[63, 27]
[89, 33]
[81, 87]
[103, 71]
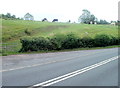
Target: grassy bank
[14, 30]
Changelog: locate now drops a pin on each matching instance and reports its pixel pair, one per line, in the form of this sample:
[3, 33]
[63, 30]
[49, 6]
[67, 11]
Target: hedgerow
[69, 41]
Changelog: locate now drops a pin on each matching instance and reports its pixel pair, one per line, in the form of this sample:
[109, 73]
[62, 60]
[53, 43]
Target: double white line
[69, 75]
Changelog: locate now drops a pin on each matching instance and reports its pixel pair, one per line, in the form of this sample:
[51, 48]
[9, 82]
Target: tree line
[86, 18]
[89, 18]
[9, 16]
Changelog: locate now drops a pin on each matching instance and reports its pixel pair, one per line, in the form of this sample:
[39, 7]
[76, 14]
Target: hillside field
[13, 30]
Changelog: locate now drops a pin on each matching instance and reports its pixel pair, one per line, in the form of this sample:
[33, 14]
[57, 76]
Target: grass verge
[66, 50]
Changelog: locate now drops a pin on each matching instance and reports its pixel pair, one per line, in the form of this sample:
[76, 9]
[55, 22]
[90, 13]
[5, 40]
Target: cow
[113, 23]
[55, 20]
[45, 19]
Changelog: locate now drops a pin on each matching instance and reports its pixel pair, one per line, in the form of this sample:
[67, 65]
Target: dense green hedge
[35, 44]
[102, 40]
[69, 41]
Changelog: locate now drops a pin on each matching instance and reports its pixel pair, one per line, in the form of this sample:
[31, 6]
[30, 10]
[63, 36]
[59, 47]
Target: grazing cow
[45, 19]
[95, 22]
[55, 20]
[113, 23]
[69, 21]
[91, 22]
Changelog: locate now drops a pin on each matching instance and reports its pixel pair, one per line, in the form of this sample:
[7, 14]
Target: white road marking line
[69, 75]
[43, 63]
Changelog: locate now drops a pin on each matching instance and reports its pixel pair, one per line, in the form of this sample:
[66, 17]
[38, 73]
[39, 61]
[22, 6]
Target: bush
[27, 32]
[70, 42]
[56, 42]
[118, 40]
[87, 42]
[35, 44]
[3, 53]
[102, 40]
[114, 41]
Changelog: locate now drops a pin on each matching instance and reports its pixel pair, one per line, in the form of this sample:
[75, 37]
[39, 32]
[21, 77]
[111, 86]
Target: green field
[13, 30]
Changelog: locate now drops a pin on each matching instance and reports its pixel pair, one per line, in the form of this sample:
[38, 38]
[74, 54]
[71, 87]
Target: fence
[9, 47]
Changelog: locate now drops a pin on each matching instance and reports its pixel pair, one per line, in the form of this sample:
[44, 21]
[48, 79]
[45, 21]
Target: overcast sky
[61, 9]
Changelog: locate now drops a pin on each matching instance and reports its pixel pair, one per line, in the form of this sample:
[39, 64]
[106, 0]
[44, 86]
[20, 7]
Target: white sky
[63, 10]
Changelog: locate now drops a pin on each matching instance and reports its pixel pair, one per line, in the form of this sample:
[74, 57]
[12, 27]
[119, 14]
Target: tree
[92, 18]
[13, 16]
[1, 15]
[8, 15]
[103, 22]
[86, 17]
[22, 19]
[4, 16]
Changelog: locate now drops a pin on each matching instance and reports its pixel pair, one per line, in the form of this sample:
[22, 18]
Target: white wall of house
[28, 17]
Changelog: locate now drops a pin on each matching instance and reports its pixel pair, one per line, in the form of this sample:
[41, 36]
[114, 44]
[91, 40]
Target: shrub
[102, 40]
[25, 44]
[119, 40]
[70, 42]
[27, 32]
[4, 53]
[35, 44]
[56, 41]
[41, 44]
[114, 40]
[87, 42]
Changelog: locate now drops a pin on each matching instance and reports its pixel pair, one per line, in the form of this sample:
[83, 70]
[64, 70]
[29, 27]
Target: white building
[28, 17]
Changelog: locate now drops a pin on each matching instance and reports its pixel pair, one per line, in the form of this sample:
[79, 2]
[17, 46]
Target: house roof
[28, 15]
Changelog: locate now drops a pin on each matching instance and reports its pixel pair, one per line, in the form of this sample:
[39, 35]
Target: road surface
[75, 68]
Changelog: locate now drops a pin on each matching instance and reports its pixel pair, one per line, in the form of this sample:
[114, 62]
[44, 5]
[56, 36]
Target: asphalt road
[31, 70]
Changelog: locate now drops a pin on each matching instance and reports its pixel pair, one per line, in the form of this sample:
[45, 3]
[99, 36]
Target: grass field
[13, 30]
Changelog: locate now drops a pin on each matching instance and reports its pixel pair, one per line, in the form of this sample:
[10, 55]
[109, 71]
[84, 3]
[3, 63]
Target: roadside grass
[14, 30]
[65, 50]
